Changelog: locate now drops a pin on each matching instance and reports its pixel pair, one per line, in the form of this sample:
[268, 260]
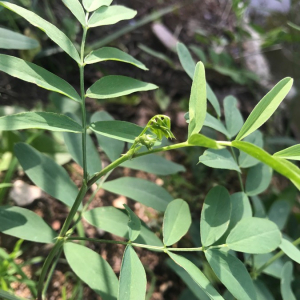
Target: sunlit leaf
[177, 221]
[40, 120]
[46, 174]
[108, 15]
[197, 104]
[91, 5]
[77, 10]
[292, 153]
[120, 130]
[219, 159]
[92, 269]
[189, 66]
[203, 141]
[196, 275]
[232, 273]
[278, 164]
[32, 73]
[115, 86]
[216, 203]
[266, 107]
[25, 224]
[115, 221]
[258, 179]
[132, 277]
[53, 32]
[254, 235]
[140, 190]
[109, 53]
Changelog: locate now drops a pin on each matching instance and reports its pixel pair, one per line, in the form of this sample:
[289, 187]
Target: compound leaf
[232, 273]
[32, 73]
[40, 120]
[219, 159]
[254, 235]
[132, 277]
[134, 224]
[110, 53]
[53, 32]
[25, 224]
[266, 107]
[46, 174]
[108, 15]
[92, 269]
[215, 215]
[196, 275]
[177, 221]
[115, 86]
[115, 221]
[140, 190]
[91, 5]
[197, 104]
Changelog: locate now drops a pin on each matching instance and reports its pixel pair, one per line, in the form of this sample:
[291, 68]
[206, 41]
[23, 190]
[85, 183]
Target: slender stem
[83, 110]
[149, 247]
[129, 155]
[52, 269]
[78, 238]
[73, 210]
[238, 173]
[274, 258]
[46, 266]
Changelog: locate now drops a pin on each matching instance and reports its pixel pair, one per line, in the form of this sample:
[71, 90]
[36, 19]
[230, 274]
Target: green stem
[274, 258]
[52, 269]
[8, 176]
[83, 109]
[149, 247]
[129, 155]
[46, 266]
[239, 174]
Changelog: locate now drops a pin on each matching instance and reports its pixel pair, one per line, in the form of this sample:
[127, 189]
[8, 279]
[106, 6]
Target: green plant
[226, 223]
